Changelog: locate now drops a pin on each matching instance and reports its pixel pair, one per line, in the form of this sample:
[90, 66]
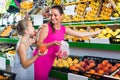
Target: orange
[92, 71]
[100, 66]
[105, 62]
[42, 48]
[109, 65]
[100, 72]
[92, 64]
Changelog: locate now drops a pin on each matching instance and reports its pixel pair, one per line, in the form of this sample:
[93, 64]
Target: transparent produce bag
[63, 51]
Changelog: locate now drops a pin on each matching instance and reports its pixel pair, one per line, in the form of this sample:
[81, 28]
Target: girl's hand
[42, 54]
[56, 43]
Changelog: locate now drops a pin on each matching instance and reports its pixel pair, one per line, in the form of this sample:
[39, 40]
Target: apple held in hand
[42, 49]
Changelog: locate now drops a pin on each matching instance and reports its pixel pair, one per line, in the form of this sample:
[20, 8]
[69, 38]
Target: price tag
[88, 9]
[76, 77]
[38, 19]
[3, 3]
[2, 63]
[69, 1]
[69, 40]
[98, 22]
[0, 21]
[82, 23]
[70, 10]
[2, 6]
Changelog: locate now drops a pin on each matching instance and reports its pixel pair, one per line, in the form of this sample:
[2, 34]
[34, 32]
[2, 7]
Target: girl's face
[30, 29]
[55, 16]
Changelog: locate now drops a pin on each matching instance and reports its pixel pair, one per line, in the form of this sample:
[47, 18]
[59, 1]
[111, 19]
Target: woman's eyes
[53, 15]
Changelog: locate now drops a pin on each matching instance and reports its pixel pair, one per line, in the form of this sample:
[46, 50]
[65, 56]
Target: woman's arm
[23, 56]
[42, 35]
[80, 34]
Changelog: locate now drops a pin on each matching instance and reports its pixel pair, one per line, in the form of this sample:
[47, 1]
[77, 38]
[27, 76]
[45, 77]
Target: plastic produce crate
[7, 75]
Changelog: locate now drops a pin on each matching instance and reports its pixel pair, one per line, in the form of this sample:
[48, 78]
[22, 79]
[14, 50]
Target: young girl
[24, 59]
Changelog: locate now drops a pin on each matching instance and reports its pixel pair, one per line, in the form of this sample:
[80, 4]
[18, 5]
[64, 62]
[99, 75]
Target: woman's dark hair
[21, 26]
[59, 8]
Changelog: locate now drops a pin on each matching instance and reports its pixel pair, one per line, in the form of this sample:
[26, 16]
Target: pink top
[43, 64]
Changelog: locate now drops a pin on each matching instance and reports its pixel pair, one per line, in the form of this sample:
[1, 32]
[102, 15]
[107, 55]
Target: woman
[51, 35]
[24, 59]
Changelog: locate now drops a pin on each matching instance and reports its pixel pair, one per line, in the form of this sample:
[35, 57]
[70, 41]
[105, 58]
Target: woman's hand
[56, 43]
[98, 31]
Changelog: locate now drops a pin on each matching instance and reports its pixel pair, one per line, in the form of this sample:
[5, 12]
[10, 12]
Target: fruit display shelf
[90, 23]
[8, 40]
[114, 47]
[93, 23]
[60, 75]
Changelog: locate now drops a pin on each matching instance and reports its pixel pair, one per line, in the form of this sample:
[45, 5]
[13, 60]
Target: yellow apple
[116, 15]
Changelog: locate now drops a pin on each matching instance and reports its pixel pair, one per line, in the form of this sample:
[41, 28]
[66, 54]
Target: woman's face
[55, 16]
[30, 28]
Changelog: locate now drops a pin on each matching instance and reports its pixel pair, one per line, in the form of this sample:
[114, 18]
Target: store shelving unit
[93, 23]
[98, 46]
[90, 23]
[114, 47]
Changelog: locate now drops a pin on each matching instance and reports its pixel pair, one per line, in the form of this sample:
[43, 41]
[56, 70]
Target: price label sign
[2, 6]
[98, 22]
[70, 10]
[3, 3]
[2, 63]
[82, 23]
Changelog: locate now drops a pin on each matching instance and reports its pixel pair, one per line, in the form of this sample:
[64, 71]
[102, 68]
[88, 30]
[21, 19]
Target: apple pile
[83, 66]
[65, 62]
[106, 11]
[92, 10]
[105, 68]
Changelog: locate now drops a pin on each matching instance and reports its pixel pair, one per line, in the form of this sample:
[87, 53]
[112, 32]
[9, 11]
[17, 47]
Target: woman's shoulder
[43, 26]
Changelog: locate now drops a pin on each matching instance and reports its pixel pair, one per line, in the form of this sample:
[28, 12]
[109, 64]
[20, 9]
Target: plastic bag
[63, 51]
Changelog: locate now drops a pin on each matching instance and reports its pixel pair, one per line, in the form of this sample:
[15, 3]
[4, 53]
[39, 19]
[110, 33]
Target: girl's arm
[23, 56]
[81, 34]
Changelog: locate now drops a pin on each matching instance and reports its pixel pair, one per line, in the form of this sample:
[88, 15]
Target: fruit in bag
[63, 50]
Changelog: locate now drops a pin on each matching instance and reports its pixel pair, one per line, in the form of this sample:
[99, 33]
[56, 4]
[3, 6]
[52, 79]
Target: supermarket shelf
[90, 23]
[93, 23]
[114, 47]
[8, 40]
[58, 74]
